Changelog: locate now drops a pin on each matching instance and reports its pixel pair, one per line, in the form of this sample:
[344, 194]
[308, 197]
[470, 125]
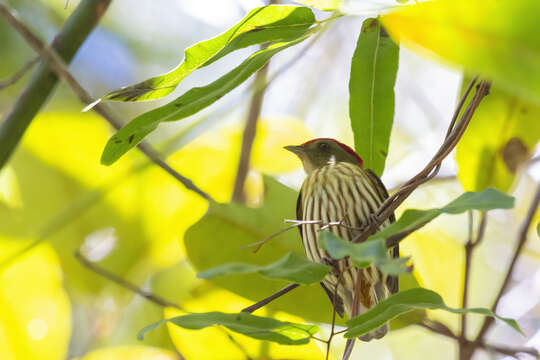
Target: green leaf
[404, 302]
[292, 267]
[499, 140]
[497, 39]
[538, 229]
[371, 93]
[189, 103]
[240, 226]
[326, 5]
[257, 327]
[264, 24]
[363, 254]
[488, 199]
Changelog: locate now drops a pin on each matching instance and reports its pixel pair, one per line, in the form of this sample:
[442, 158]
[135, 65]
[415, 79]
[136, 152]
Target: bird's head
[317, 153]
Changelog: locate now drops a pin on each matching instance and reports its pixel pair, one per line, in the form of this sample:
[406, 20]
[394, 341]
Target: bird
[339, 189]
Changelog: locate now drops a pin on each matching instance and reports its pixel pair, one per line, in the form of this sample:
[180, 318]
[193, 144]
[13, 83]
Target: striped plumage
[337, 188]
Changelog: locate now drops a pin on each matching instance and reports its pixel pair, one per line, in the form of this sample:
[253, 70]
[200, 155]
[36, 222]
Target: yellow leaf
[130, 352]
[35, 313]
[494, 38]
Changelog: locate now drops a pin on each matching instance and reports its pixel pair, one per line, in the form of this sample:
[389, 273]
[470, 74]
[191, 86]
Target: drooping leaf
[201, 344]
[189, 103]
[404, 302]
[262, 328]
[292, 267]
[498, 142]
[494, 38]
[488, 199]
[261, 25]
[363, 254]
[326, 5]
[371, 93]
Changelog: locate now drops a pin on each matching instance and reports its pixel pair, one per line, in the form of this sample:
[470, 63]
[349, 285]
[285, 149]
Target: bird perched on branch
[338, 189]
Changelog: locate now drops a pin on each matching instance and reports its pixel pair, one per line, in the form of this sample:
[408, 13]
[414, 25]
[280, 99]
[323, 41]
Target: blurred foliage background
[130, 218]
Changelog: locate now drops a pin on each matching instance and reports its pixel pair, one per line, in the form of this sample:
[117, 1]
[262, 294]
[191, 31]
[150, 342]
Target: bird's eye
[324, 146]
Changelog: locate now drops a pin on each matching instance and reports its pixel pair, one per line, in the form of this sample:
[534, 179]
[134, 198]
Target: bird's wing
[391, 281]
[338, 302]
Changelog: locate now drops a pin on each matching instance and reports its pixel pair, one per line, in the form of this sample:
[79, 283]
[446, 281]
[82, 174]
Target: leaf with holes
[262, 25]
[363, 254]
[371, 94]
[257, 327]
[404, 302]
[292, 267]
[189, 103]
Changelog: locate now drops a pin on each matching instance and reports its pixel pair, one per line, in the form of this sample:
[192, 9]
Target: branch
[441, 329]
[250, 130]
[52, 59]
[66, 43]
[470, 245]
[522, 239]
[453, 135]
[158, 300]
[271, 298]
[19, 74]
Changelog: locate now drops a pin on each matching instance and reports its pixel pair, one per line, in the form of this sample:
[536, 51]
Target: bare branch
[248, 137]
[454, 133]
[271, 298]
[522, 238]
[158, 300]
[49, 56]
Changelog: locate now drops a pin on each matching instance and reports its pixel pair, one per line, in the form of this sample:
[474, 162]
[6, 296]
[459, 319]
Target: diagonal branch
[58, 66]
[77, 28]
[248, 136]
[522, 239]
[454, 133]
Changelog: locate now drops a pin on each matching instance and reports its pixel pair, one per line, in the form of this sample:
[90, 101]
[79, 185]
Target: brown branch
[19, 74]
[271, 298]
[49, 56]
[440, 178]
[158, 300]
[250, 130]
[441, 329]
[521, 240]
[454, 133]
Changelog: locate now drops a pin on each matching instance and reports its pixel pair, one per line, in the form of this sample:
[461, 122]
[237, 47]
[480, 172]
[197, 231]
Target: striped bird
[339, 189]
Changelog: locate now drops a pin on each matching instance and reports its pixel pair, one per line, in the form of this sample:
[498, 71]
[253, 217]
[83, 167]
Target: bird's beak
[296, 149]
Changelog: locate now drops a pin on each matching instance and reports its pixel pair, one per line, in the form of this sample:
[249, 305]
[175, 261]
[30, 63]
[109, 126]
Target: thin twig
[440, 178]
[522, 239]
[59, 67]
[444, 331]
[468, 256]
[19, 74]
[453, 135]
[125, 284]
[74, 32]
[271, 298]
